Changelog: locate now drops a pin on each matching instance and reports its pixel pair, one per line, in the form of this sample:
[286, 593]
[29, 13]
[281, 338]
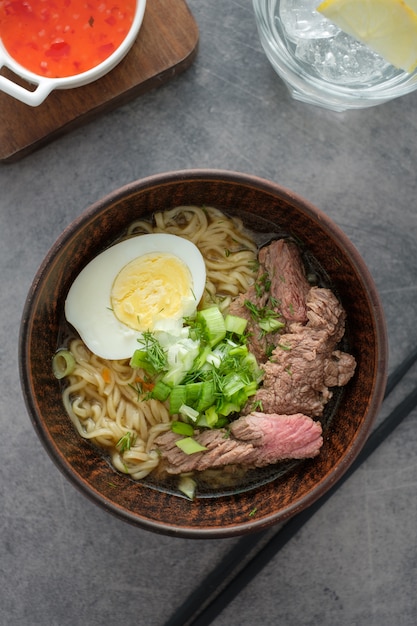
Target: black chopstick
[400, 371]
[250, 555]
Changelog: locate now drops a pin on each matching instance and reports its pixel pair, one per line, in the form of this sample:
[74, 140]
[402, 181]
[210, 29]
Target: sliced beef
[221, 450]
[324, 312]
[256, 440]
[278, 437]
[280, 286]
[339, 369]
[306, 363]
[282, 262]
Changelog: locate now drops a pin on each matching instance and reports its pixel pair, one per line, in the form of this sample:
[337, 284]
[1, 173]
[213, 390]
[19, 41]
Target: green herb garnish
[126, 442]
[267, 319]
[152, 357]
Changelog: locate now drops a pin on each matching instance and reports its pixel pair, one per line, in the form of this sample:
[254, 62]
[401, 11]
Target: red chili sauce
[63, 37]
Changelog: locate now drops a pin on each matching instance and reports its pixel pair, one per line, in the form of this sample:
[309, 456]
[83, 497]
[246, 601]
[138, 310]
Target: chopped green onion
[207, 396]
[63, 364]
[193, 393]
[175, 375]
[177, 398]
[207, 372]
[270, 324]
[140, 360]
[202, 357]
[251, 364]
[235, 324]
[213, 324]
[232, 383]
[181, 428]
[214, 359]
[189, 445]
[161, 391]
[251, 388]
[222, 421]
[198, 395]
[226, 408]
[187, 486]
[209, 418]
[239, 351]
[188, 412]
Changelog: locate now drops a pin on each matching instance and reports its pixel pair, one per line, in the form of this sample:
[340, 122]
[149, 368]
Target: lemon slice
[412, 4]
[389, 27]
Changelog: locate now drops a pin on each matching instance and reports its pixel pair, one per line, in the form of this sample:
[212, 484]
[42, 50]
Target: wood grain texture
[166, 45]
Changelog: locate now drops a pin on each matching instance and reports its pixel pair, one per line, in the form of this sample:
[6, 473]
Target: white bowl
[44, 85]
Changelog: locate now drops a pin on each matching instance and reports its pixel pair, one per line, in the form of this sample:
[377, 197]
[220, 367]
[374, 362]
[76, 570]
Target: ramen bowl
[266, 499]
[37, 84]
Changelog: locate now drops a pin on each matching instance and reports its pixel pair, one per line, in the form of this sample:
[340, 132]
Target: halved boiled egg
[148, 282]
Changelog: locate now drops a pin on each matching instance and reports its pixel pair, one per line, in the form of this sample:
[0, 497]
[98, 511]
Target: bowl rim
[381, 340]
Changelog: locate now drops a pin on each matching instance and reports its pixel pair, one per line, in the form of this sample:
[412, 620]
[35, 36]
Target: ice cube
[300, 20]
[342, 60]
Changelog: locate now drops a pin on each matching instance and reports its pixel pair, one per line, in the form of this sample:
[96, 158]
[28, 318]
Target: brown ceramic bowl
[280, 495]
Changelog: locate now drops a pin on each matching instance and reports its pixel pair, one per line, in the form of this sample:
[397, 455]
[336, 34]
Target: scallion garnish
[187, 486]
[205, 375]
[161, 391]
[189, 445]
[181, 428]
[63, 364]
[213, 324]
[235, 324]
[188, 412]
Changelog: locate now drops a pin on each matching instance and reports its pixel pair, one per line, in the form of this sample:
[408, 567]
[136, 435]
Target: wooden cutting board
[166, 46]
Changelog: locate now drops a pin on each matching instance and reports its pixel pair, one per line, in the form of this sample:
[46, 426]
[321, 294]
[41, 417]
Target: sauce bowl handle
[32, 98]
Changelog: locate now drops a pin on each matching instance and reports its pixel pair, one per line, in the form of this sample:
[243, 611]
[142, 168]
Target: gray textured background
[65, 562]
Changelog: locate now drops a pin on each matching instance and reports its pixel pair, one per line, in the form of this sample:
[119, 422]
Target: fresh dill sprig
[126, 442]
[257, 406]
[137, 387]
[268, 319]
[155, 354]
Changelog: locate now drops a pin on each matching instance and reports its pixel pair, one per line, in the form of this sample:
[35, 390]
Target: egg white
[88, 303]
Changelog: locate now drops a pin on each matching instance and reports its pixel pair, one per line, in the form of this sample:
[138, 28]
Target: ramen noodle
[108, 401]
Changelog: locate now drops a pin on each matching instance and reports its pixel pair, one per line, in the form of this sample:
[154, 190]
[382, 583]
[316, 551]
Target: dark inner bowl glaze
[279, 495]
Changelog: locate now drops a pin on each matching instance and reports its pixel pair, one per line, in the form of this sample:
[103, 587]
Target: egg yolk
[152, 287]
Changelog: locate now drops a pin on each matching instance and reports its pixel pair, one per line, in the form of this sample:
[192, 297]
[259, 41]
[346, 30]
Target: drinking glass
[322, 65]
